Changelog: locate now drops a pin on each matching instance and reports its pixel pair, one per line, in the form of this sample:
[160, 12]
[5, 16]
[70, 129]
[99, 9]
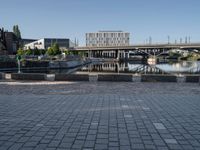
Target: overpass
[123, 51]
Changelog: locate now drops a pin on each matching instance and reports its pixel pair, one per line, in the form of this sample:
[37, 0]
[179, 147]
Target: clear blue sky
[73, 18]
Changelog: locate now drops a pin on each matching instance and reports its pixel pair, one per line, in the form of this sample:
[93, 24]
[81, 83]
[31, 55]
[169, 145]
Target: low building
[107, 38]
[48, 42]
[27, 41]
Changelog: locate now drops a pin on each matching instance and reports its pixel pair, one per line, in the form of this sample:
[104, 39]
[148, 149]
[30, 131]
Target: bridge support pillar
[126, 55]
[117, 54]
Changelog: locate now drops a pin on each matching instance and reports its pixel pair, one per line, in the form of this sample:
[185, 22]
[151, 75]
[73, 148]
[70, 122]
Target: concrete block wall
[2, 76]
[101, 77]
[114, 77]
[158, 78]
[192, 78]
[71, 77]
[28, 76]
[136, 78]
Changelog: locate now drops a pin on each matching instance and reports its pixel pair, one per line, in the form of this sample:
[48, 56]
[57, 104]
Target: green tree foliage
[81, 54]
[50, 51]
[67, 52]
[20, 52]
[29, 52]
[43, 51]
[54, 50]
[16, 31]
[37, 51]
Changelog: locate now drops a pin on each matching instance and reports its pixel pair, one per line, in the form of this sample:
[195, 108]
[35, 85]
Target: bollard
[50, 77]
[181, 79]
[136, 78]
[93, 77]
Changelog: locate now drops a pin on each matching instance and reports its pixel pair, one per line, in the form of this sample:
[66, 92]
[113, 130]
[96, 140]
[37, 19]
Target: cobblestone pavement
[102, 115]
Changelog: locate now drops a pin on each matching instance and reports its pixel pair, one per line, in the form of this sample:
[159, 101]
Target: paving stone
[16, 146]
[171, 141]
[35, 115]
[159, 126]
[101, 146]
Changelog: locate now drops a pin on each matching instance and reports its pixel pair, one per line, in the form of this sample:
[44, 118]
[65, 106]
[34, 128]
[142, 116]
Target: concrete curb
[101, 77]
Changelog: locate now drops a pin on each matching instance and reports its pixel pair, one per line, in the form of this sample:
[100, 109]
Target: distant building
[27, 41]
[48, 42]
[107, 38]
[9, 43]
[12, 42]
[2, 48]
[2, 42]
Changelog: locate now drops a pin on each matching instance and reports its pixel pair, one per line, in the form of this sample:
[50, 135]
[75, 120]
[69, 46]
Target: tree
[29, 52]
[50, 51]
[36, 51]
[54, 50]
[20, 52]
[43, 51]
[82, 54]
[67, 52]
[17, 32]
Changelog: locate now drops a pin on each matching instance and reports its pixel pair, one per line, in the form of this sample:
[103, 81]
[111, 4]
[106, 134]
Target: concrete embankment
[101, 77]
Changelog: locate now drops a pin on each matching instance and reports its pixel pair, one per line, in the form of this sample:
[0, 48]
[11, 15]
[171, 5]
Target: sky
[157, 19]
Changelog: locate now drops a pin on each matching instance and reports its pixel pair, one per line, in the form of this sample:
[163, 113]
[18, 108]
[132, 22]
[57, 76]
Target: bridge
[122, 52]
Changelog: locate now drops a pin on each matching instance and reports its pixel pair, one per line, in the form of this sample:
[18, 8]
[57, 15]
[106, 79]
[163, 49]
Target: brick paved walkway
[99, 115]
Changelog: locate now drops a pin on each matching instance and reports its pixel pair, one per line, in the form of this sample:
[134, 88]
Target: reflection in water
[130, 67]
[185, 67]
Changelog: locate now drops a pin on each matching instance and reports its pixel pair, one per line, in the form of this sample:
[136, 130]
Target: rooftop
[110, 31]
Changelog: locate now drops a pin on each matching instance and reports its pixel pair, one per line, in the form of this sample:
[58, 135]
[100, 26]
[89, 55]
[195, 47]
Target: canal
[133, 67]
[183, 67]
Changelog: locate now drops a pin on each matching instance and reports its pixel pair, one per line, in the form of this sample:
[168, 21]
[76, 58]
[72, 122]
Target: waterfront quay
[99, 115]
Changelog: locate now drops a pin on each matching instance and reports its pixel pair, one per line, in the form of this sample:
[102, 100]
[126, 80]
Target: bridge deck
[135, 47]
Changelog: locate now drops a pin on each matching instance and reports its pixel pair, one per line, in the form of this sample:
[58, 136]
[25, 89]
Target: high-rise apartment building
[107, 38]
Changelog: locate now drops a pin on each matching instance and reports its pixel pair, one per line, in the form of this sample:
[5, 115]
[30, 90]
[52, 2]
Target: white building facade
[107, 38]
[48, 42]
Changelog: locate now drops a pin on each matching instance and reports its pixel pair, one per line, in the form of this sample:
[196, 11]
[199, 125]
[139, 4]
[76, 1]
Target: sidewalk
[102, 115]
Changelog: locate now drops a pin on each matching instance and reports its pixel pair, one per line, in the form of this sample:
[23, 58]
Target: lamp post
[18, 63]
